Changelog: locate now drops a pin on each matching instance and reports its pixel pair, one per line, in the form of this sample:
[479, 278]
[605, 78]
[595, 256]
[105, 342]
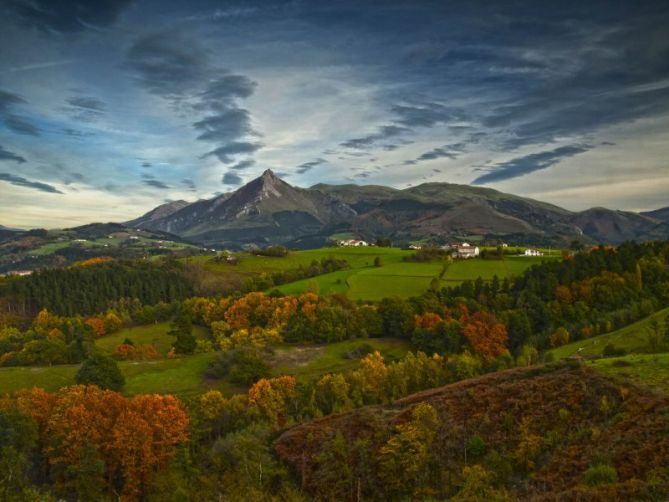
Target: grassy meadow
[649, 370]
[185, 376]
[632, 338]
[364, 281]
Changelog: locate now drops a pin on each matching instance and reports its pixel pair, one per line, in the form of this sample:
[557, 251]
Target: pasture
[185, 376]
[649, 370]
[364, 281]
[632, 338]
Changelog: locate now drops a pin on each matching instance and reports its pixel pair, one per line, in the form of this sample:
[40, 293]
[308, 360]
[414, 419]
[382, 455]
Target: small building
[415, 247]
[533, 252]
[353, 243]
[465, 250]
[18, 273]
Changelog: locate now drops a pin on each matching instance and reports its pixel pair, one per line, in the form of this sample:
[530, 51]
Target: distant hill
[268, 210]
[659, 214]
[549, 427]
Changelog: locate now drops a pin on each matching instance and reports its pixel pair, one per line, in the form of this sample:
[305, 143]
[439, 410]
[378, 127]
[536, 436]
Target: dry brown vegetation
[526, 434]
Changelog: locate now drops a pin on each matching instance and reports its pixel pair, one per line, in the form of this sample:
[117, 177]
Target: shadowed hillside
[547, 433]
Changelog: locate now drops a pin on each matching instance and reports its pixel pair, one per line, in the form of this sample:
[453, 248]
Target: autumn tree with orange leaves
[84, 426]
[486, 335]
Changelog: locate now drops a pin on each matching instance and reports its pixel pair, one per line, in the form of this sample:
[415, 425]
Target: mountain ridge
[268, 210]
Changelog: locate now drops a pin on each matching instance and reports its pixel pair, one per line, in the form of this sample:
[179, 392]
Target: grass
[649, 370]
[153, 334]
[632, 338]
[395, 277]
[312, 361]
[185, 376]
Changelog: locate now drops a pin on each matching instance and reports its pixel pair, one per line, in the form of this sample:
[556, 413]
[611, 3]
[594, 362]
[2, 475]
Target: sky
[110, 108]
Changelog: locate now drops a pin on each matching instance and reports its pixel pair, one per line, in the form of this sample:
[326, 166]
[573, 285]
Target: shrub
[600, 474]
[611, 350]
[601, 471]
[241, 366]
[102, 371]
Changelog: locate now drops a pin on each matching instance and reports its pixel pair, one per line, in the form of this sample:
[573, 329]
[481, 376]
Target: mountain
[659, 214]
[157, 213]
[268, 210]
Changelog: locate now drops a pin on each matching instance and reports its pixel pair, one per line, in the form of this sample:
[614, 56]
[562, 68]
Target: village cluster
[460, 250]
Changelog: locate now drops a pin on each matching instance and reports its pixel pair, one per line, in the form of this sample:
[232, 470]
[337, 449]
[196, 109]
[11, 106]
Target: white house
[415, 247]
[353, 243]
[465, 250]
[533, 252]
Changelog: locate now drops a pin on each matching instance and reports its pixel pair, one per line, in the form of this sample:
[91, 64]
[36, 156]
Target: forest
[476, 410]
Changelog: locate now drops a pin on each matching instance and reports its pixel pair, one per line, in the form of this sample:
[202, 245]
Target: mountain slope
[268, 210]
[659, 214]
[157, 213]
[265, 210]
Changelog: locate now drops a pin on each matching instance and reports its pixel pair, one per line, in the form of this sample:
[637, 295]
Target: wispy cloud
[527, 164]
[19, 181]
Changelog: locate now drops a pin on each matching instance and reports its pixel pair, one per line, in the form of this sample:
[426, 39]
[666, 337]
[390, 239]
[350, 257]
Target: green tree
[182, 329]
[18, 438]
[102, 371]
[378, 262]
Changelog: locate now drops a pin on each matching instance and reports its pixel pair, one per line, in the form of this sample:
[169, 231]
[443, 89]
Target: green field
[632, 338]
[395, 277]
[153, 334]
[184, 376]
[649, 370]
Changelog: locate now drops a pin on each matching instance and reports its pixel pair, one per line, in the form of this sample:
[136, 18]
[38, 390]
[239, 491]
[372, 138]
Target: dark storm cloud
[308, 166]
[21, 125]
[383, 133]
[189, 184]
[146, 164]
[244, 164]
[155, 184]
[15, 123]
[66, 16]
[228, 125]
[529, 163]
[9, 99]
[177, 68]
[87, 102]
[451, 151]
[168, 64]
[19, 181]
[226, 153]
[6, 155]
[231, 178]
[409, 118]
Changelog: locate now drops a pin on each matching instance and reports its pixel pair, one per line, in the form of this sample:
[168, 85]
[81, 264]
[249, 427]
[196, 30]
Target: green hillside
[632, 338]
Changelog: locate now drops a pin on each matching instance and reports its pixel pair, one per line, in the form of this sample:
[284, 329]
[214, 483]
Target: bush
[359, 352]
[241, 366]
[278, 251]
[611, 350]
[102, 371]
[600, 474]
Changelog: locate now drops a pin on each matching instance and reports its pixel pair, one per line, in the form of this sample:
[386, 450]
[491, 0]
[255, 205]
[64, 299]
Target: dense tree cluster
[89, 289]
[584, 295]
[87, 443]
